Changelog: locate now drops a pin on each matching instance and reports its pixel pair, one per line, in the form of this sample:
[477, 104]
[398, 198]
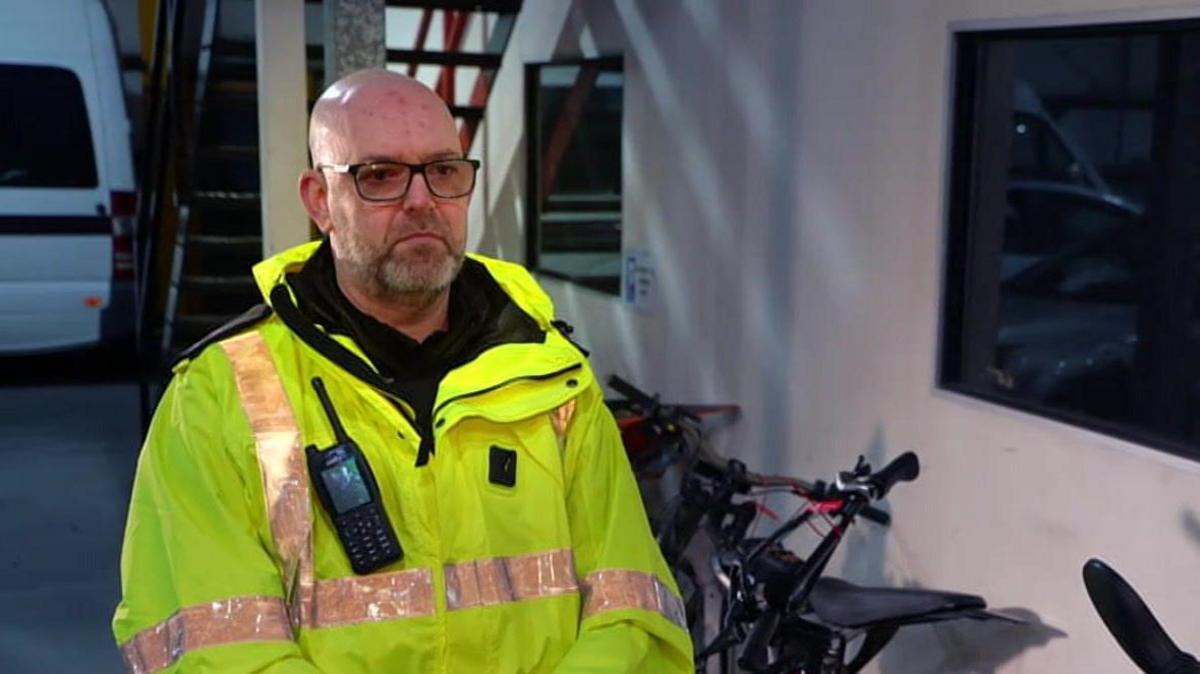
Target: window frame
[967, 39]
[533, 237]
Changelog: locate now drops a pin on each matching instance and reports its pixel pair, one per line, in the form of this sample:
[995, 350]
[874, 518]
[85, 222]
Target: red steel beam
[564, 128]
[422, 34]
[454, 29]
[479, 97]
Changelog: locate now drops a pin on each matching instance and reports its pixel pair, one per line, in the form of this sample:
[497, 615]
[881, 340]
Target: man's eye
[380, 174]
[445, 169]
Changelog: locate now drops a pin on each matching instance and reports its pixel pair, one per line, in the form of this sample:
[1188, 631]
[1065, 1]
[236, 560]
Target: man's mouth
[420, 236]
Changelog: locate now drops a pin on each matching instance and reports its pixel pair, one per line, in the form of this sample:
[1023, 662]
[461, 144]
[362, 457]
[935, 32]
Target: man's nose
[418, 197]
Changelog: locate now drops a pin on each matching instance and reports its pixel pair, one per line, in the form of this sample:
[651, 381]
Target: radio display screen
[346, 486]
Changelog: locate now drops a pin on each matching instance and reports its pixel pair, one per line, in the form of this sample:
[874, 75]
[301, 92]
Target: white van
[67, 193]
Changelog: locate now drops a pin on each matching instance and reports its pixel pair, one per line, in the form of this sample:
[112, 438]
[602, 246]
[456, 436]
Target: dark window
[1074, 256]
[574, 222]
[45, 138]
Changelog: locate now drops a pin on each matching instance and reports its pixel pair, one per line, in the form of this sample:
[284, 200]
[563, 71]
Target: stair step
[219, 261]
[234, 88]
[246, 69]
[224, 200]
[226, 241]
[443, 58]
[228, 152]
[470, 113]
[501, 6]
[240, 95]
[232, 168]
[202, 323]
[213, 293]
[191, 328]
[230, 284]
[244, 49]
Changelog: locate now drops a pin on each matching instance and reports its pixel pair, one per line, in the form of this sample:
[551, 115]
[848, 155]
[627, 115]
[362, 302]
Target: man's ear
[313, 193]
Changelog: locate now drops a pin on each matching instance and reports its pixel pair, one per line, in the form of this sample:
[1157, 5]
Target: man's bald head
[370, 99]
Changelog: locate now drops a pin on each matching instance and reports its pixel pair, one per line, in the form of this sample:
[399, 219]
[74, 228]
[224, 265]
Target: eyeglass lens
[448, 178]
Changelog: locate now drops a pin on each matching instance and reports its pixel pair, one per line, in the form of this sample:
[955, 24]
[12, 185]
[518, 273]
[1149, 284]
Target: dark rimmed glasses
[390, 180]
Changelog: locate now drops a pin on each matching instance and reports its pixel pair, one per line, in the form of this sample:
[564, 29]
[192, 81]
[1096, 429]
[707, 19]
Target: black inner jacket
[481, 315]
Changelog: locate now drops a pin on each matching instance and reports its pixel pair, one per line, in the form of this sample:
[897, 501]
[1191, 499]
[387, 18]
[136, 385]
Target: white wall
[786, 162]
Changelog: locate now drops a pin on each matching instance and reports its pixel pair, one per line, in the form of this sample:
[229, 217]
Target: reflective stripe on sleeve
[485, 582]
[281, 463]
[616, 589]
[214, 623]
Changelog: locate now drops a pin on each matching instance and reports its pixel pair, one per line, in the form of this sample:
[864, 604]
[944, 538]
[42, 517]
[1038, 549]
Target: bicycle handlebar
[858, 488]
[632, 393]
[748, 480]
[904, 468]
[1132, 624]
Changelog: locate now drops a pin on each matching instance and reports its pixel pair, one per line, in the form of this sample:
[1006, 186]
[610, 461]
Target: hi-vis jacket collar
[505, 366]
[512, 278]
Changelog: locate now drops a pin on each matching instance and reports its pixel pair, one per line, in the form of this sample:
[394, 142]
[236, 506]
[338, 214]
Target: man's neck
[416, 315]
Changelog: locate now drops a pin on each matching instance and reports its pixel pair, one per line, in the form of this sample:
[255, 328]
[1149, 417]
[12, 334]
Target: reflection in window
[1072, 269]
[574, 231]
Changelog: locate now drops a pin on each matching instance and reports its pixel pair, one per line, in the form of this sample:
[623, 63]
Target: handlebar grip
[631, 392]
[880, 517]
[754, 656]
[905, 468]
[1132, 624]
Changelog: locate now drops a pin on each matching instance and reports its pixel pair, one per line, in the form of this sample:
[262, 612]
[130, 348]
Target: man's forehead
[382, 114]
[378, 134]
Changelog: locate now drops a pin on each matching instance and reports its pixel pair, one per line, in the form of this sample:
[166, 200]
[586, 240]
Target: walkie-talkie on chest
[347, 490]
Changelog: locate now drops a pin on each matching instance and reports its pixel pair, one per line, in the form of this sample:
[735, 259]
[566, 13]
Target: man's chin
[421, 276]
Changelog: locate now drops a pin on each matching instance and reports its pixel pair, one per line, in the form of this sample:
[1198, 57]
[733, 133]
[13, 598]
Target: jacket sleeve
[632, 618]
[200, 588]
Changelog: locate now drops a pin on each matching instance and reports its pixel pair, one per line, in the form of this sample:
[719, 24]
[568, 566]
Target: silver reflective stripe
[376, 597]
[501, 580]
[281, 463]
[215, 623]
[618, 589]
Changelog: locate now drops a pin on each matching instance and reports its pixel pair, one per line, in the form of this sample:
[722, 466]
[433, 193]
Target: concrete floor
[69, 445]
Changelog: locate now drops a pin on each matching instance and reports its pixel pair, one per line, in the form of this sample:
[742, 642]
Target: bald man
[397, 462]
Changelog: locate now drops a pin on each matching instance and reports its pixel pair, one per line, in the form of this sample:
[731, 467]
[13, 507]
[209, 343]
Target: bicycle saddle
[1132, 624]
[838, 602]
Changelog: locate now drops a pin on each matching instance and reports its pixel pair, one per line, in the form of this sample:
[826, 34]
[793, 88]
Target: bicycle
[778, 612]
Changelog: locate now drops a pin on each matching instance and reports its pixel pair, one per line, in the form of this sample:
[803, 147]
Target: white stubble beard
[426, 270]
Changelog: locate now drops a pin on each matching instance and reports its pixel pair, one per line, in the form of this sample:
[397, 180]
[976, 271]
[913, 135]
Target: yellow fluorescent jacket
[230, 565]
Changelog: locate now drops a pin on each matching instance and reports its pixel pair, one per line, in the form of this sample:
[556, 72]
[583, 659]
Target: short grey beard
[395, 279]
[386, 278]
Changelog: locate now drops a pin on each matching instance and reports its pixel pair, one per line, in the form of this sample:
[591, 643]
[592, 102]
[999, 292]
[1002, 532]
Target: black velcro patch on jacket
[502, 466]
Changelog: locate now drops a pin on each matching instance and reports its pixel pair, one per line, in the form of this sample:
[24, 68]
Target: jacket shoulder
[246, 320]
[520, 285]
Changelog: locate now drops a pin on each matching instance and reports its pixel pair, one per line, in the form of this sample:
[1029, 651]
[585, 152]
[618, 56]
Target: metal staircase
[219, 236]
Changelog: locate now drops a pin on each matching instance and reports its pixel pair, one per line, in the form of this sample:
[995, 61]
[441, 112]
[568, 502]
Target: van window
[45, 139]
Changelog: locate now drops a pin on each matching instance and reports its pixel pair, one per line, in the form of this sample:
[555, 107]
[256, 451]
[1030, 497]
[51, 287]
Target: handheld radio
[347, 489]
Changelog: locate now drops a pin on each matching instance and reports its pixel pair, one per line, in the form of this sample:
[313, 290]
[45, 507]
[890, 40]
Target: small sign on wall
[640, 280]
